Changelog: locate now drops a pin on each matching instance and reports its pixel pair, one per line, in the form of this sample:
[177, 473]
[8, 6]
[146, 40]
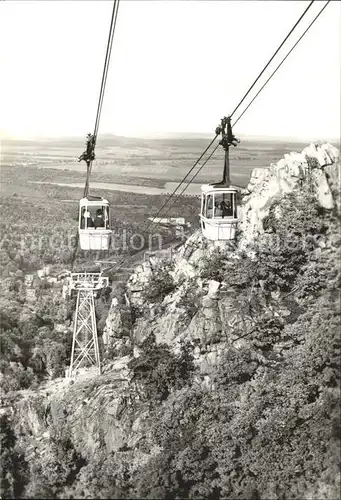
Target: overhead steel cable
[271, 59]
[106, 64]
[103, 85]
[272, 74]
[100, 104]
[183, 180]
[191, 180]
[280, 64]
[124, 259]
[240, 102]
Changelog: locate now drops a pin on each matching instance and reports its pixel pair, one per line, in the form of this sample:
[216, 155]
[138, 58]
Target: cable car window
[203, 205]
[224, 204]
[234, 199]
[217, 207]
[86, 219]
[209, 206]
[94, 217]
[106, 217]
[99, 218]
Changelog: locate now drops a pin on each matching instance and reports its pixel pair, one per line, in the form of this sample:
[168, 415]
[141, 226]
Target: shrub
[13, 473]
[159, 370]
[312, 162]
[213, 266]
[190, 300]
[300, 215]
[56, 468]
[161, 283]
[15, 376]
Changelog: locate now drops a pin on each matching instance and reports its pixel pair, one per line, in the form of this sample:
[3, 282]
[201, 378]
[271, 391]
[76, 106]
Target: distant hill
[171, 136]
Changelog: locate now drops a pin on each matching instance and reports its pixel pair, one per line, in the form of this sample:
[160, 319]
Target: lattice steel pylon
[85, 349]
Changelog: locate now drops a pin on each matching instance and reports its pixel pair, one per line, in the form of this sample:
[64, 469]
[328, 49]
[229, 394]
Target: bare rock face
[333, 175]
[97, 411]
[118, 328]
[212, 316]
[310, 169]
[106, 411]
[114, 323]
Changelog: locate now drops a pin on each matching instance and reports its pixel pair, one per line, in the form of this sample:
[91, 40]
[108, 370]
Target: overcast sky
[176, 66]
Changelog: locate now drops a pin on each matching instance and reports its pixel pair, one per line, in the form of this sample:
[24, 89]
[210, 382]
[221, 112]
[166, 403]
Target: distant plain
[129, 162]
[42, 183]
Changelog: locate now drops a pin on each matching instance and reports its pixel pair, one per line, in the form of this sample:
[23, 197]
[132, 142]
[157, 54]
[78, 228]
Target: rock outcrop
[313, 169]
[105, 411]
[96, 411]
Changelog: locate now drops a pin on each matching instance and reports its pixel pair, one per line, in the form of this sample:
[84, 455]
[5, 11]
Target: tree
[161, 283]
[159, 371]
[13, 465]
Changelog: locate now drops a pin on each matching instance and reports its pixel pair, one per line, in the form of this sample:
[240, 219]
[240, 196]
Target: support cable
[191, 180]
[211, 154]
[89, 160]
[106, 64]
[124, 259]
[267, 81]
[102, 89]
[271, 59]
[183, 180]
[280, 64]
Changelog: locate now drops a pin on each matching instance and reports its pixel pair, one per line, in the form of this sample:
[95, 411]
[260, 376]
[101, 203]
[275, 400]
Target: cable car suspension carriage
[94, 212]
[219, 212]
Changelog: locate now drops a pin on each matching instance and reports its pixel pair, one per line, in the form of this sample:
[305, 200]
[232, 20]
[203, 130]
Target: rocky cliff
[313, 169]
[213, 316]
[204, 298]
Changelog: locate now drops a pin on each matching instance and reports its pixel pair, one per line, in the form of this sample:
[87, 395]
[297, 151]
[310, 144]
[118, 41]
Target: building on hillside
[171, 221]
[43, 273]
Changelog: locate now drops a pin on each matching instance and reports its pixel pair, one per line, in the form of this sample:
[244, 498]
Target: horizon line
[172, 135]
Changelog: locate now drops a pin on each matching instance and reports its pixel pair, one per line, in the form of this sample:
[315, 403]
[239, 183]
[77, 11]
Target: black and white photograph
[170, 249]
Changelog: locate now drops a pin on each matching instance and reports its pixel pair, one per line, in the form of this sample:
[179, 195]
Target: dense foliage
[161, 282]
[159, 372]
[35, 321]
[270, 429]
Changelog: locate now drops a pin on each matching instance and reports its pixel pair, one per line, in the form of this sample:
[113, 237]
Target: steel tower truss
[85, 349]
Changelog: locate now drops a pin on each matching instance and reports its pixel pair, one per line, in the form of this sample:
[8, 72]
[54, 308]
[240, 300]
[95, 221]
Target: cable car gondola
[94, 232]
[219, 211]
[94, 215]
[94, 224]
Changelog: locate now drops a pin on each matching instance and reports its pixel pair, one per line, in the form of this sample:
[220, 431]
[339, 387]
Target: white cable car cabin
[219, 212]
[94, 226]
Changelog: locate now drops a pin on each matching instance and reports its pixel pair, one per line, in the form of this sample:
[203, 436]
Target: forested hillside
[220, 381]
